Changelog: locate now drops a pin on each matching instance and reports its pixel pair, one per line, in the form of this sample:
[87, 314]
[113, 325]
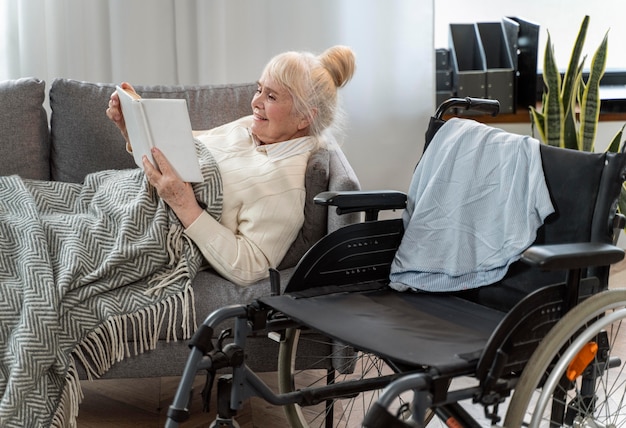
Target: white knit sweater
[263, 202]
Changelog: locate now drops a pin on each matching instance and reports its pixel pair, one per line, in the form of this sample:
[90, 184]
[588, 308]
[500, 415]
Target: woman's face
[274, 118]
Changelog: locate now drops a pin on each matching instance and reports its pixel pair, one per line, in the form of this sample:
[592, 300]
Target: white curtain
[388, 102]
[156, 41]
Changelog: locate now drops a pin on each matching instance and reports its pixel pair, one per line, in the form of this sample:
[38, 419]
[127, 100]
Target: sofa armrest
[341, 178]
[572, 256]
[24, 136]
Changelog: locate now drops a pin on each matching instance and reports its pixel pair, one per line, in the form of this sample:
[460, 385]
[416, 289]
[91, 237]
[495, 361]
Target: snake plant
[570, 107]
[558, 123]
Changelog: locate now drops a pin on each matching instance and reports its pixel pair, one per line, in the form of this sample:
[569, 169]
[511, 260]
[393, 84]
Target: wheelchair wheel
[577, 375]
[297, 368]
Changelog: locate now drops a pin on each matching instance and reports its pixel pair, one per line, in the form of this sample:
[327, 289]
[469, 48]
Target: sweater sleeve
[265, 232]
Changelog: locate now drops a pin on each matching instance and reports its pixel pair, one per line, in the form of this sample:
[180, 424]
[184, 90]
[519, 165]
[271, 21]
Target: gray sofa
[79, 139]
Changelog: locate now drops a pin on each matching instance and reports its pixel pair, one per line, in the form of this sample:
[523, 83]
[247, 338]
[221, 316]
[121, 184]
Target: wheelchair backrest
[584, 188]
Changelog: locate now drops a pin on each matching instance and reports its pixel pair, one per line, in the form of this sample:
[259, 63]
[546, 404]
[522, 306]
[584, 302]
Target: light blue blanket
[475, 203]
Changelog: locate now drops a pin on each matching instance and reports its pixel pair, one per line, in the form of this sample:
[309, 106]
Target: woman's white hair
[313, 80]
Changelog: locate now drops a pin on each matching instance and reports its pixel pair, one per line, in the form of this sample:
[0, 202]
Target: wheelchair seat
[444, 331]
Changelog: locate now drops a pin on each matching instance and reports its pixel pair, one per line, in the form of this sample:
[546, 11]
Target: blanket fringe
[109, 344]
[175, 241]
[67, 411]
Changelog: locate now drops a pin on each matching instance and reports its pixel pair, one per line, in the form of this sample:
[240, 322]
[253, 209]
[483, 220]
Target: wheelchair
[544, 346]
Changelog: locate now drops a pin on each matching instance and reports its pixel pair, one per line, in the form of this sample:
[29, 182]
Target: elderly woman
[89, 265]
[262, 160]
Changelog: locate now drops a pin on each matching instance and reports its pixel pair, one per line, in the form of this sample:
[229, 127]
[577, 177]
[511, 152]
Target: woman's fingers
[150, 170]
[128, 87]
[162, 163]
[161, 173]
[173, 191]
[114, 112]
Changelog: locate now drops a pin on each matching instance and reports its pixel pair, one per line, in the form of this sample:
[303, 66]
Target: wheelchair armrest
[370, 202]
[572, 256]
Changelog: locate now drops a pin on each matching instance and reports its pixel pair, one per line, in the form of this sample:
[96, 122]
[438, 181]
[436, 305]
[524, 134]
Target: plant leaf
[538, 122]
[590, 105]
[552, 108]
[581, 82]
[570, 128]
[568, 92]
[570, 133]
[615, 142]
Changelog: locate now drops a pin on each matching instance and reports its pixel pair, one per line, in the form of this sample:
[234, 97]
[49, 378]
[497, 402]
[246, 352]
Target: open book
[162, 123]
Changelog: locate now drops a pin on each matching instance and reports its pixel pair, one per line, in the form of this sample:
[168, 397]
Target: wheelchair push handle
[468, 103]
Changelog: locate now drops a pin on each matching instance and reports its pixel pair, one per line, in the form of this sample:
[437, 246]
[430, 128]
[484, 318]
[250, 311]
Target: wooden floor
[143, 403]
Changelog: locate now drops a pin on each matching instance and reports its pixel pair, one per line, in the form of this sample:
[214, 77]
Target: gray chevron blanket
[83, 268]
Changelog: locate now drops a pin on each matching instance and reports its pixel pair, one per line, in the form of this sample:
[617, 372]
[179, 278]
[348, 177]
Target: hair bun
[340, 63]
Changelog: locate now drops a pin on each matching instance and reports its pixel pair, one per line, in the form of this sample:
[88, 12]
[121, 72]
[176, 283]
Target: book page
[162, 123]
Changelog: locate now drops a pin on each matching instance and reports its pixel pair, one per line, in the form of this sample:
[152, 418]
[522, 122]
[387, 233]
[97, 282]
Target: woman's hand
[114, 111]
[176, 193]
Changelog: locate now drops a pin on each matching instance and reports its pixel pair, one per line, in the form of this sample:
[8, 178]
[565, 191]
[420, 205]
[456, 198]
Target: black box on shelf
[444, 80]
[500, 76]
[467, 60]
[525, 61]
[442, 59]
[441, 96]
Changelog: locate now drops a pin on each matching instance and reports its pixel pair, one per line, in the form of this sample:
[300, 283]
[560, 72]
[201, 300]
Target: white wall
[392, 95]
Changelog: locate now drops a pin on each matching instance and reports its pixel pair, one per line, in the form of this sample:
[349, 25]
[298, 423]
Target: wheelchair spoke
[344, 364]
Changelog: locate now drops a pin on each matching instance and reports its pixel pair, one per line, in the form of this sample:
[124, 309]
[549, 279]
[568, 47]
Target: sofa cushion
[24, 129]
[84, 140]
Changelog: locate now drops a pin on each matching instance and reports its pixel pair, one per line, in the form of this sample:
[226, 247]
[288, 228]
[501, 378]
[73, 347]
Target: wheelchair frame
[551, 315]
